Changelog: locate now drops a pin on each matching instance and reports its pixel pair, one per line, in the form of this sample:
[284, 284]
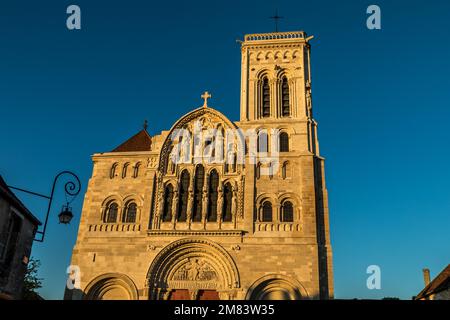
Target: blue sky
[381, 99]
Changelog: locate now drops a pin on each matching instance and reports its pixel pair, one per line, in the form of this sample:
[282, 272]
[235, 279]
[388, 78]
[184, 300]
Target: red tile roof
[139, 142]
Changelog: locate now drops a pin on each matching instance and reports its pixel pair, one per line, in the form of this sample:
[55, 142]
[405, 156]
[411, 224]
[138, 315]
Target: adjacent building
[17, 230]
[438, 289]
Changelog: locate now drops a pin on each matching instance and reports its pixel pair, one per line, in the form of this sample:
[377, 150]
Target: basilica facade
[214, 208]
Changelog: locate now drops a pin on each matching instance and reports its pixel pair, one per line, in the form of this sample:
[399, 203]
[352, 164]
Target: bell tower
[275, 77]
[285, 185]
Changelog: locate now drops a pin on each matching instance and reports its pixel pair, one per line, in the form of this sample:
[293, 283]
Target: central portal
[184, 294]
[192, 269]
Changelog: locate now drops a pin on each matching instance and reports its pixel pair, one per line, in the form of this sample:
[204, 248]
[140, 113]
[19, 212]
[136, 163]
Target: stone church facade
[252, 226]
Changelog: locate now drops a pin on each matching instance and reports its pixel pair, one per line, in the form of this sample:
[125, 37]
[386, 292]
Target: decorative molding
[114, 227]
[209, 233]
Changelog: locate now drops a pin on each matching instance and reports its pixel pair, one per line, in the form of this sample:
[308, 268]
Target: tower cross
[205, 96]
[276, 17]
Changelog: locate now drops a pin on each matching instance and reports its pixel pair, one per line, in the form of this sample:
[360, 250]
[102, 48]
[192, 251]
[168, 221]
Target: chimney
[426, 276]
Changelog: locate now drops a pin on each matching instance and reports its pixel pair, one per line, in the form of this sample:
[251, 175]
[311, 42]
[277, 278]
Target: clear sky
[381, 99]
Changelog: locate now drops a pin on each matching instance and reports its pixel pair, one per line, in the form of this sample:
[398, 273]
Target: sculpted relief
[195, 270]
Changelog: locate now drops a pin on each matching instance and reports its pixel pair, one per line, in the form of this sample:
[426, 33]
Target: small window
[227, 203]
[124, 170]
[287, 212]
[130, 213]
[112, 173]
[284, 142]
[136, 170]
[263, 142]
[168, 199]
[8, 241]
[198, 193]
[184, 194]
[213, 195]
[267, 212]
[111, 213]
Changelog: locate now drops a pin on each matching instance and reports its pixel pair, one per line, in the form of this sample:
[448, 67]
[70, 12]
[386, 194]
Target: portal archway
[276, 287]
[111, 286]
[200, 266]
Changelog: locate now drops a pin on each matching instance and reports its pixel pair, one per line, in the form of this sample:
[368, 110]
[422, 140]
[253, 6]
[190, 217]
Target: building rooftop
[6, 192]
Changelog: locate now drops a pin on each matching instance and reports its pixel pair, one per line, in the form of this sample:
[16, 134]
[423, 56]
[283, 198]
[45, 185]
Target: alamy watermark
[226, 146]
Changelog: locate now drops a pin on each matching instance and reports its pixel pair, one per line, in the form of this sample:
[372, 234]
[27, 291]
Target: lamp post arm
[71, 188]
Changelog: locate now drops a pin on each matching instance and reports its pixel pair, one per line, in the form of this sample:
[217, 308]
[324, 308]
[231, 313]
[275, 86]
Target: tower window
[263, 142]
[287, 212]
[267, 212]
[136, 170]
[198, 192]
[124, 170]
[284, 142]
[265, 98]
[285, 110]
[112, 172]
[168, 199]
[184, 188]
[130, 213]
[213, 194]
[111, 213]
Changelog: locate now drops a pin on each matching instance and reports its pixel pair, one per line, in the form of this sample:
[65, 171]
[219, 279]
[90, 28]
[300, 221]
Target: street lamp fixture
[66, 214]
[72, 188]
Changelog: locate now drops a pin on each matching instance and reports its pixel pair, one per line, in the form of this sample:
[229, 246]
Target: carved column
[174, 208]
[204, 206]
[277, 217]
[189, 207]
[234, 206]
[219, 207]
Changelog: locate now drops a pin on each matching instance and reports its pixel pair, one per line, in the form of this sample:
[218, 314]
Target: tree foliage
[31, 281]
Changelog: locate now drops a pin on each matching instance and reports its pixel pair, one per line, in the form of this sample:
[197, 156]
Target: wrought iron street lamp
[72, 188]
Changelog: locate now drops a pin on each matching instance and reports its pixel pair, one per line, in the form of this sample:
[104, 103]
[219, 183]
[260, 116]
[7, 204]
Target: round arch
[192, 264]
[276, 287]
[111, 286]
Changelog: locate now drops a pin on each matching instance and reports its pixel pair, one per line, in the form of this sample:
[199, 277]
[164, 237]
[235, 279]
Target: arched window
[136, 170]
[213, 194]
[130, 212]
[198, 192]
[124, 170]
[112, 173]
[111, 212]
[287, 212]
[285, 170]
[184, 189]
[285, 110]
[265, 105]
[284, 142]
[168, 199]
[263, 141]
[227, 203]
[267, 212]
